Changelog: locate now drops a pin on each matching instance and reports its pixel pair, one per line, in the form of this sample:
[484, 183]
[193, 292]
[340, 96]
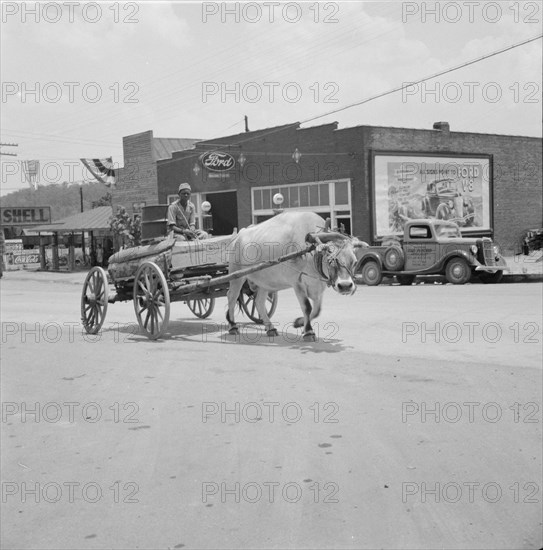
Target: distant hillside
[63, 199]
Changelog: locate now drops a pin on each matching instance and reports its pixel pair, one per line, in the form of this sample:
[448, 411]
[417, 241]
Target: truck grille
[486, 253]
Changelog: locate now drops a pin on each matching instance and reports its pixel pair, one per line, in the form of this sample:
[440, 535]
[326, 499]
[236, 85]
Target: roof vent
[443, 126]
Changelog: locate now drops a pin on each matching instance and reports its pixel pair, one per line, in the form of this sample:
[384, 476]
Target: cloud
[346, 52]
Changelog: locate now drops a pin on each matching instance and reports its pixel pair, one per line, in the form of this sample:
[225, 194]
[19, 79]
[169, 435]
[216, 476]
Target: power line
[340, 109]
[396, 89]
[173, 89]
[441, 73]
[53, 138]
[382, 94]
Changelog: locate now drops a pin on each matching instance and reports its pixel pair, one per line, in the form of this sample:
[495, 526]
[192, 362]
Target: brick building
[363, 177]
[137, 183]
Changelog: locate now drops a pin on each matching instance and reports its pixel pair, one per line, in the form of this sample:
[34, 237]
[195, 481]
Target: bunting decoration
[101, 169]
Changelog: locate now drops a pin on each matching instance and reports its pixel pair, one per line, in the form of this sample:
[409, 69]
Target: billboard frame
[419, 156]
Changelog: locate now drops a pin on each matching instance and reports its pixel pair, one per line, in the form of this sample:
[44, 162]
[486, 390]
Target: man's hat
[183, 186]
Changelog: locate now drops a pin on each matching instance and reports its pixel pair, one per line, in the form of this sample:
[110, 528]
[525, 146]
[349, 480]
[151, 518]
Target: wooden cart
[165, 271]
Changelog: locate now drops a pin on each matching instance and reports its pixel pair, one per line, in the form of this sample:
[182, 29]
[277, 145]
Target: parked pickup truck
[431, 247]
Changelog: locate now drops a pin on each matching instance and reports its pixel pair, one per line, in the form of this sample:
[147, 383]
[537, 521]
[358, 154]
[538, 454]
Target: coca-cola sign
[217, 161]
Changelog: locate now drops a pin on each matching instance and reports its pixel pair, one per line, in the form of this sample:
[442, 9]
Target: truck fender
[458, 254]
[366, 257]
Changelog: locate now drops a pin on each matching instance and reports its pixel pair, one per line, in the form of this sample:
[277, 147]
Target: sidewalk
[74, 278]
[531, 265]
[521, 268]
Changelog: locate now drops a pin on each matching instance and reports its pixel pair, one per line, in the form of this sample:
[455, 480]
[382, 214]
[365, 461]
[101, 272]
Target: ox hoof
[272, 332]
[309, 337]
[299, 322]
[233, 330]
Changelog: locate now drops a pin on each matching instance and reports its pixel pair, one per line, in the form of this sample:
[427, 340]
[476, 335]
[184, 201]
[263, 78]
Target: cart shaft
[212, 281]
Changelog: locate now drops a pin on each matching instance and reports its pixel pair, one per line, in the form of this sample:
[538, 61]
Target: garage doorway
[224, 212]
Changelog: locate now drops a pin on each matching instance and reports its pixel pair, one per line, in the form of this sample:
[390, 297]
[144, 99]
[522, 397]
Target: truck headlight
[473, 249]
[496, 250]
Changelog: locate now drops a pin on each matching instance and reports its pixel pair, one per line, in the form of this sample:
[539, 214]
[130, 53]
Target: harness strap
[318, 261]
[319, 266]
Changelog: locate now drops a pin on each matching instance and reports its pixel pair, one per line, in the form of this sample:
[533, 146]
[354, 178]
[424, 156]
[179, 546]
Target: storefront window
[294, 197]
[341, 192]
[324, 199]
[313, 195]
[266, 199]
[328, 199]
[257, 198]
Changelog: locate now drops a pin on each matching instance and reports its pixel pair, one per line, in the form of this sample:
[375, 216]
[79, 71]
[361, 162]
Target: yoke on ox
[330, 263]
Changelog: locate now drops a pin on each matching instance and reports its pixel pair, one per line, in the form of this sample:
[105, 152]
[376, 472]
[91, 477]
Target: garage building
[368, 178]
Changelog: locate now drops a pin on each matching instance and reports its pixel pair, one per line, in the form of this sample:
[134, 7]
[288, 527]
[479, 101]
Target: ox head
[335, 259]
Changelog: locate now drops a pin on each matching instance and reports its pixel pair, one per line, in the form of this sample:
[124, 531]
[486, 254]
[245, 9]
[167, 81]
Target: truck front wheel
[458, 272]
[371, 273]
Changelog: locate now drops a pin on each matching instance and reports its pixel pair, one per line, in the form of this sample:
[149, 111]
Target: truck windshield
[447, 231]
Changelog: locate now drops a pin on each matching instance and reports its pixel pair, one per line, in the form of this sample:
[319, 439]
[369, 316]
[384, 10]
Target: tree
[102, 201]
[127, 230]
[64, 198]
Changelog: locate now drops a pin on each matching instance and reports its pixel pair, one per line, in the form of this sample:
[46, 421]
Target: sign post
[55, 252]
[82, 232]
[42, 252]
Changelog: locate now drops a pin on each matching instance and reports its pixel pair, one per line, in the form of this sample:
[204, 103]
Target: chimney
[442, 126]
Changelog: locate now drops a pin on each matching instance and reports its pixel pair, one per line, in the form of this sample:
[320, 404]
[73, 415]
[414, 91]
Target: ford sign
[217, 162]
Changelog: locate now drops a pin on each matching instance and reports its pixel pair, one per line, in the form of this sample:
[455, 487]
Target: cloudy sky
[78, 77]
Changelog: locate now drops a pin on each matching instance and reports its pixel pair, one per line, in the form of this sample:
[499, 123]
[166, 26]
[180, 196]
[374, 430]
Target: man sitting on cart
[181, 216]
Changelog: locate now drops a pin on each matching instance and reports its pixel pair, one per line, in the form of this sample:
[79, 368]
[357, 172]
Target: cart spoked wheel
[94, 300]
[151, 300]
[247, 303]
[202, 308]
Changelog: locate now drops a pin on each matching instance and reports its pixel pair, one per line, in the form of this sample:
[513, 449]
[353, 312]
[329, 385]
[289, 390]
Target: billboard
[430, 186]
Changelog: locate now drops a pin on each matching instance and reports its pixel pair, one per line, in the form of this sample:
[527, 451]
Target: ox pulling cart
[165, 271]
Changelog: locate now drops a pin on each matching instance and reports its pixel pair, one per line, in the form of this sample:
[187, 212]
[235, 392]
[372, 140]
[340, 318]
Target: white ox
[331, 263]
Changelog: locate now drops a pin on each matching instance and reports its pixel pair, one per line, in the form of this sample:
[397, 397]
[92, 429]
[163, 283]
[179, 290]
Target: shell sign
[216, 161]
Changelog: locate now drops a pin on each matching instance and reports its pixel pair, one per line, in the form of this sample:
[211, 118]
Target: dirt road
[414, 422]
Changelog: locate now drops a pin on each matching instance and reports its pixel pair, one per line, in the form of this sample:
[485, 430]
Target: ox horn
[357, 243]
[324, 237]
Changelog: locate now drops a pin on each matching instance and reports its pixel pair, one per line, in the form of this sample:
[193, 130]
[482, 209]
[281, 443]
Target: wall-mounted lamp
[278, 201]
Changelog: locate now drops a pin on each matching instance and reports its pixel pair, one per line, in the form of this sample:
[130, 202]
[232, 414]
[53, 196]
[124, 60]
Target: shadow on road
[250, 334]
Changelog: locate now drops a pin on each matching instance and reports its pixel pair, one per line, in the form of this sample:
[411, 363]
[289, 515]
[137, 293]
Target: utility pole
[246, 123]
[9, 145]
[82, 232]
